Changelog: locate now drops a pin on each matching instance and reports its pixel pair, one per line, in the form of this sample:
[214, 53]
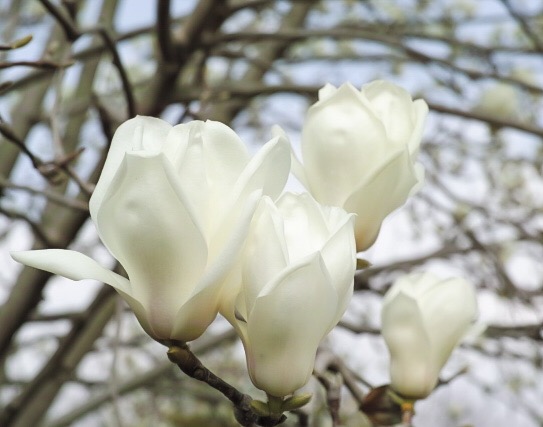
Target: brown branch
[531, 331]
[348, 32]
[358, 329]
[44, 64]
[163, 30]
[180, 354]
[492, 120]
[63, 20]
[8, 133]
[127, 87]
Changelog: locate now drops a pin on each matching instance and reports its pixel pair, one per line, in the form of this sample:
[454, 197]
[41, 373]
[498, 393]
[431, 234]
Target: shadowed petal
[284, 334]
[395, 180]
[148, 227]
[412, 371]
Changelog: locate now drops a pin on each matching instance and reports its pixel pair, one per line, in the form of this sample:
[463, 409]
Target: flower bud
[359, 149]
[423, 319]
[297, 279]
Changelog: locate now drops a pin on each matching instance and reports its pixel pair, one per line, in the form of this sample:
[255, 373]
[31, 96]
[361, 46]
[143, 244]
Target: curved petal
[326, 91]
[282, 332]
[297, 169]
[267, 170]
[448, 309]
[413, 373]
[339, 255]
[394, 107]
[305, 228]
[265, 252]
[395, 180]
[147, 226]
[220, 284]
[342, 142]
[72, 265]
[190, 164]
[226, 254]
[208, 166]
[226, 155]
[76, 266]
[139, 133]
[196, 314]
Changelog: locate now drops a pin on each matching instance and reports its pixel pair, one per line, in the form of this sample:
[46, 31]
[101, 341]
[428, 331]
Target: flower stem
[180, 354]
[275, 404]
[408, 410]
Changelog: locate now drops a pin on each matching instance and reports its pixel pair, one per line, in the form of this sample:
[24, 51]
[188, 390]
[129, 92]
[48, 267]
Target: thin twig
[127, 88]
[332, 384]
[50, 195]
[44, 64]
[531, 34]
[36, 228]
[10, 136]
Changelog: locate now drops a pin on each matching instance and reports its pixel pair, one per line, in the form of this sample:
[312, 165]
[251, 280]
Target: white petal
[448, 309]
[342, 142]
[72, 265]
[190, 165]
[297, 169]
[306, 230]
[286, 326]
[265, 253]
[148, 227]
[393, 105]
[76, 266]
[226, 155]
[139, 133]
[226, 254]
[395, 180]
[209, 167]
[196, 314]
[267, 170]
[412, 369]
[326, 91]
[339, 255]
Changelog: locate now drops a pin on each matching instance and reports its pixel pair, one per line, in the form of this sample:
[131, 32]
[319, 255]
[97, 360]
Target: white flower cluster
[201, 227]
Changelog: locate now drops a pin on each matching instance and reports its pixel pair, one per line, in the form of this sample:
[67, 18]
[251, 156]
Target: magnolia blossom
[423, 319]
[297, 274]
[359, 149]
[173, 205]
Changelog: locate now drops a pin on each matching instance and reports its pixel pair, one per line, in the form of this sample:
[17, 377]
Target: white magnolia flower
[423, 319]
[297, 272]
[173, 205]
[359, 149]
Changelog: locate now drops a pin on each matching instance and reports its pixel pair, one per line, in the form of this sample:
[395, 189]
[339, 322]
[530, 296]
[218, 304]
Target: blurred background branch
[72, 71]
